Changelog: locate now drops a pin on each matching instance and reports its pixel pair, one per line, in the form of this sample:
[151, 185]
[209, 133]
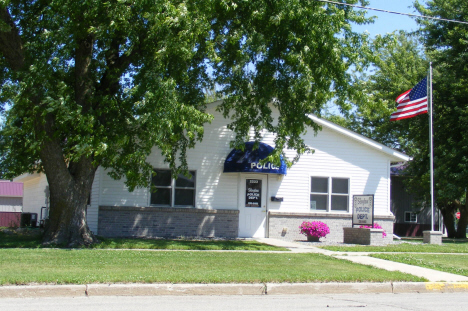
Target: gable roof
[394, 154]
[27, 177]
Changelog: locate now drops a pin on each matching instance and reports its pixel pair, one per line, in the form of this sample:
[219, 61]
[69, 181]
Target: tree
[398, 63]
[95, 83]
[447, 44]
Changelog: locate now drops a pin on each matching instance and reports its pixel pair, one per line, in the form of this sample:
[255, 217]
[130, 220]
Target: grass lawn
[248, 245]
[28, 241]
[456, 264]
[80, 266]
[448, 246]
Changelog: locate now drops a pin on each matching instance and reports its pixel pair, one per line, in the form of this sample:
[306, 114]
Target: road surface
[381, 302]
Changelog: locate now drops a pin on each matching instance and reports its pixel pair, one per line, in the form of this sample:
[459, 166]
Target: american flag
[412, 102]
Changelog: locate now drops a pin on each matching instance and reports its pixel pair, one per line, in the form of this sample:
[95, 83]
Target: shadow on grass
[181, 244]
[9, 238]
[454, 241]
[32, 239]
[444, 240]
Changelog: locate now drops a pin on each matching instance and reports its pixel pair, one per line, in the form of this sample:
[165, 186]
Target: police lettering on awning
[248, 161]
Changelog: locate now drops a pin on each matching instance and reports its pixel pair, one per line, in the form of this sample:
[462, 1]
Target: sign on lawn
[363, 210]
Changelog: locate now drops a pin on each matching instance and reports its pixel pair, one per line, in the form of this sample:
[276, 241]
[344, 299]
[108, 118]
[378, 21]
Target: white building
[256, 202]
[35, 193]
[216, 203]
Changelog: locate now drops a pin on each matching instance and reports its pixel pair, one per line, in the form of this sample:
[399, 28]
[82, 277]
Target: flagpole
[431, 143]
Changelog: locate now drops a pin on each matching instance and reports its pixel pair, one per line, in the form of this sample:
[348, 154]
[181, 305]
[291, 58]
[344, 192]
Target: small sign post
[363, 210]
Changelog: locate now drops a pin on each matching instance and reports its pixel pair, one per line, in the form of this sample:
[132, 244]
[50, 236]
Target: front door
[252, 205]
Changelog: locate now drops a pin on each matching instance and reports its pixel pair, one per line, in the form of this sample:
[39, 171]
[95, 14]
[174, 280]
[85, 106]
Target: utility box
[28, 219]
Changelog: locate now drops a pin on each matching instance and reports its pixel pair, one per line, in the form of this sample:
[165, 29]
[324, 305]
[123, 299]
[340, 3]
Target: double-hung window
[411, 217]
[172, 192]
[329, 194]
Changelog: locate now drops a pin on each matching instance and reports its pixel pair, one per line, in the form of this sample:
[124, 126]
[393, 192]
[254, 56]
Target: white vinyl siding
[11, 204]
[115, 193]
[336, 156]
[93, 207]
[35, 194]
[214, 189]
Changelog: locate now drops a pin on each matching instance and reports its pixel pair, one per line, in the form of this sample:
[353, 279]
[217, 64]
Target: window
[411, 217]
[322, 199]
[173, 192]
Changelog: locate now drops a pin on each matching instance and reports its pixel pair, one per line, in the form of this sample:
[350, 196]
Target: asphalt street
[381, 302]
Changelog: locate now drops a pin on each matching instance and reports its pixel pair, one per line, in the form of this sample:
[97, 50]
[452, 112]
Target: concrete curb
[430, 287]
[174, 289]
[327, 288]
[38, 291]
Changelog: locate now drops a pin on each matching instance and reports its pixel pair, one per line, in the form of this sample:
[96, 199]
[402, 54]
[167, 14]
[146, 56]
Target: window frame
[330, 194]
[172, 188]
[410, 217]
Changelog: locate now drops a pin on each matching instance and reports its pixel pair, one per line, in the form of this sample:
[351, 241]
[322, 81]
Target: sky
[386, 22]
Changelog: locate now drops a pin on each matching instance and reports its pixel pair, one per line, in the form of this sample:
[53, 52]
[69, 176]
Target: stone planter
[363, 236]
[432, 237]
[311, 238]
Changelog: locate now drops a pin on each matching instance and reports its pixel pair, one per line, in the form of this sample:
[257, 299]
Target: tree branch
[11, 46]
[116, 65]
[83, 57]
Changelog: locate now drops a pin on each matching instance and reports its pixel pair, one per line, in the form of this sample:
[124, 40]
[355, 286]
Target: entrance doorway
[252, 205]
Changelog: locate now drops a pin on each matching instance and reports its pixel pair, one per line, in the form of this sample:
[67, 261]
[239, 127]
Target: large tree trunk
[449, 222]
[70, 181]
[70, 186]
[67, 217]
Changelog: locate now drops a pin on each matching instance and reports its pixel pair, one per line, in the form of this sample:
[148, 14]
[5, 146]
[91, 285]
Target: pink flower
[376, 226]
[314, 228]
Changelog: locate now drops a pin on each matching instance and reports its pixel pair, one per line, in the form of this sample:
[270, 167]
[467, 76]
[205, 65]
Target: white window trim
[173, 188]
[415, 217]
[329, 194]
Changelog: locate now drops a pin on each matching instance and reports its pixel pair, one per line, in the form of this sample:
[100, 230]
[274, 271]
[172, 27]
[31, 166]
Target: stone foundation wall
[286, 225]
[127, 221]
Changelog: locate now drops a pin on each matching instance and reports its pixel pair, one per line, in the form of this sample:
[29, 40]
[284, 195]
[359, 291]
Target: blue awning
[248, 161]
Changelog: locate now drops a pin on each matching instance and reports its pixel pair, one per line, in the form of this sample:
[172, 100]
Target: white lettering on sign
[267, 166]
[253, 193]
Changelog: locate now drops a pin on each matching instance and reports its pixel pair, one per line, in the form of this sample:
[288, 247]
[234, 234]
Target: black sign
[253, 193]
